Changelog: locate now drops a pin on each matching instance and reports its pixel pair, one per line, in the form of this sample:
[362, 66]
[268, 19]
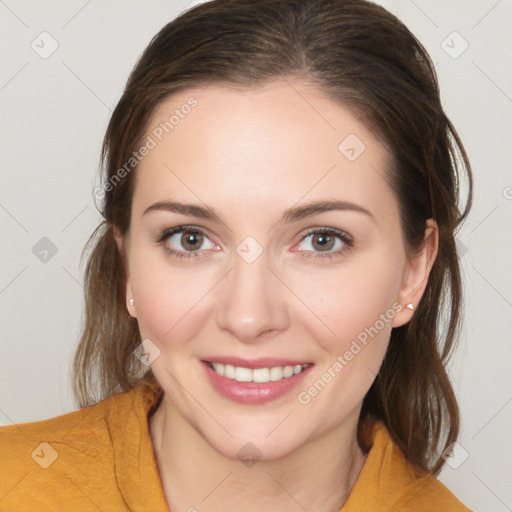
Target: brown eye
[325, 243]
[322, 241]
[191, 240]
[183, 240]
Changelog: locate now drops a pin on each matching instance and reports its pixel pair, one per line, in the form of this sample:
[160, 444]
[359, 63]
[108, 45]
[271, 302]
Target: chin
[250, 450]
[257, 438]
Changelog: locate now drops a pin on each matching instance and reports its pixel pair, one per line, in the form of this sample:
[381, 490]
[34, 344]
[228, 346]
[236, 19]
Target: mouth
[259, 375]
[256, 381]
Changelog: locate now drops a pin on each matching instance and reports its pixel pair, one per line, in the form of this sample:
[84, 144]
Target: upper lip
[261, 362]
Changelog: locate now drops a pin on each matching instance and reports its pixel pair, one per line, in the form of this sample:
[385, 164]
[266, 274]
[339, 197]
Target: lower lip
[253, 392]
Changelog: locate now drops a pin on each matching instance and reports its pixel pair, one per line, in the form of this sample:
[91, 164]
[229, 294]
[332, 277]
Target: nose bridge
[251, 302]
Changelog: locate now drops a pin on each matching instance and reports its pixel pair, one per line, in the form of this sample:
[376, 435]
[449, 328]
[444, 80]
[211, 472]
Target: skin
[251, 154]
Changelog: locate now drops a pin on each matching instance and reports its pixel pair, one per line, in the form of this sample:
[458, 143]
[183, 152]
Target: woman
[280, 199]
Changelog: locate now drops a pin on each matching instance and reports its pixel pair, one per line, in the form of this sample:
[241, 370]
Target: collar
[386, 478]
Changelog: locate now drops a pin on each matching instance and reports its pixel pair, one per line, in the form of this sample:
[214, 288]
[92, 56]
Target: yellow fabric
[101, 458]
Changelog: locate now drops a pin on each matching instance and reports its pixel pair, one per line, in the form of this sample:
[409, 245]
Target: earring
[131, 302]
[410, 306]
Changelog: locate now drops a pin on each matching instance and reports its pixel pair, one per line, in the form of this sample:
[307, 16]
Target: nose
[252, 302]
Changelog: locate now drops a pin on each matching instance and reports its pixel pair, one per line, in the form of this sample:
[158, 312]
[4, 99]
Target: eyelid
[166, 233]
[324, 229]
[345, 238]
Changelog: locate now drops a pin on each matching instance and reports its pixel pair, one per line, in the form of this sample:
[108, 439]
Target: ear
[416, 274]
[121, 246]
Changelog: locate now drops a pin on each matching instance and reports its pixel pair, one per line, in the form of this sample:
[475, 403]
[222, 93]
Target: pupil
[323, 241]
[191, 240]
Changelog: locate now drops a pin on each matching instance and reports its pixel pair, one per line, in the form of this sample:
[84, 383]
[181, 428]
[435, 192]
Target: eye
[325, 242]
[185, 242]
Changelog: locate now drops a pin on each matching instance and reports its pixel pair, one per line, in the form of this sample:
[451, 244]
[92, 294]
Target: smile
[258, 375]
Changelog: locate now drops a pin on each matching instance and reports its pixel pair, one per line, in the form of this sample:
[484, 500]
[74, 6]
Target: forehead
[283, 140]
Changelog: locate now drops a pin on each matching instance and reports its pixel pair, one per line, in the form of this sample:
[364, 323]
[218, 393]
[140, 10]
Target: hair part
[363, 57]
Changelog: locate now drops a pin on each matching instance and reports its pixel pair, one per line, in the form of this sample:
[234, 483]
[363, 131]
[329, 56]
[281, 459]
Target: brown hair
[362, 56]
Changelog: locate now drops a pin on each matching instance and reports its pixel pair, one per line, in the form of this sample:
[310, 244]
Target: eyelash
[342, 235]
[345, 238]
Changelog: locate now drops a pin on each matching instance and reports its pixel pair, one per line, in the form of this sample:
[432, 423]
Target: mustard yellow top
[100, 458]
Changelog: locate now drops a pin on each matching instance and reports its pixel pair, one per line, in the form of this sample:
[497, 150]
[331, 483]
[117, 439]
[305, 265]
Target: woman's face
[290, 272]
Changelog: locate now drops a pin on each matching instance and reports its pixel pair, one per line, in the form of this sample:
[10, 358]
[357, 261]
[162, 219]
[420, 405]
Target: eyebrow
[292, 214]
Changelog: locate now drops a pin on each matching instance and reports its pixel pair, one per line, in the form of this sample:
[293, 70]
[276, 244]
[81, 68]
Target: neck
[317, 476]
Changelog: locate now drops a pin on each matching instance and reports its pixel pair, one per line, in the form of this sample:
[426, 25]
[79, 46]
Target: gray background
[54, 114]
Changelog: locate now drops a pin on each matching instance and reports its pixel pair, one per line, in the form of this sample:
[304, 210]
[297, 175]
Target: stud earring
[131, 302]
[410, 306]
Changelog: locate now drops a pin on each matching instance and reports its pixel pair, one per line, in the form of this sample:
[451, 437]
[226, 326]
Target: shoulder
[422, 492]
[389, 483]
[90, 423]
[42, 462]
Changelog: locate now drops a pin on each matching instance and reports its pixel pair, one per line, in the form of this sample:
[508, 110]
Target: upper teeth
[241, 374]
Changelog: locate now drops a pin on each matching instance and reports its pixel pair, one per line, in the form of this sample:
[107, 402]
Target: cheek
[170, 301]
[352, 304]
[357, 308]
